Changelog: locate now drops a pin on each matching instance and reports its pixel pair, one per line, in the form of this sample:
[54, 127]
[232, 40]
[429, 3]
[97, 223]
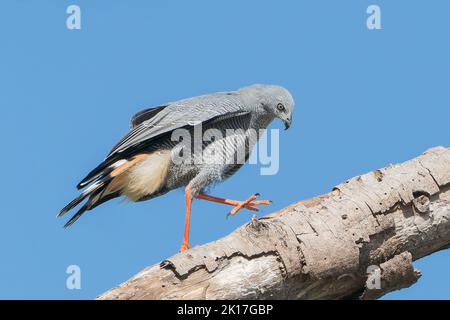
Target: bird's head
[272, 100]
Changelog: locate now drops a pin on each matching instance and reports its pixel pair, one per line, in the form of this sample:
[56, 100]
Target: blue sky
[365, 98]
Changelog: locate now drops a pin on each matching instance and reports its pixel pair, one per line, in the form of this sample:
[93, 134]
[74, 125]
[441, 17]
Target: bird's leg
[225, 201]
[188, 195]
[248, 204]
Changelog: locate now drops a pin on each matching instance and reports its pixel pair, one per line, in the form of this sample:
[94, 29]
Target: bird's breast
[216, 158]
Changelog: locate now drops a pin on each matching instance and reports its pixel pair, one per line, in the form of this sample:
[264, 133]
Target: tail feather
[77, 215]
[102, 171]
[72, 204]
[98, 173]
[80, 198]
[92, 192]
[106, 185]
[95, 193]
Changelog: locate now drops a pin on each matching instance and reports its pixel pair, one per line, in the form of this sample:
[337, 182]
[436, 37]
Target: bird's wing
[178, 115]
[145, 115]
[182, 114]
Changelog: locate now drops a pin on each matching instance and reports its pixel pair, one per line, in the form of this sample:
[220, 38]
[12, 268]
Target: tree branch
[357, 241]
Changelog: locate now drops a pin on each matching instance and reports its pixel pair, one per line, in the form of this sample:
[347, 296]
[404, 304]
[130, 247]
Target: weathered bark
[333, 246]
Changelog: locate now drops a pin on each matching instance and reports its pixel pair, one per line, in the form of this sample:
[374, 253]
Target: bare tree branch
[357, 241]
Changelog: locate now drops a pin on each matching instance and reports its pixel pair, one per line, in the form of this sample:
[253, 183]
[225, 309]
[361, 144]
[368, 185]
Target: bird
[149, 161]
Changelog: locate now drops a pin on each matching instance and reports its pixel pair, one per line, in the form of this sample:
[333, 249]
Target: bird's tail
[92, 192]
[109, 185]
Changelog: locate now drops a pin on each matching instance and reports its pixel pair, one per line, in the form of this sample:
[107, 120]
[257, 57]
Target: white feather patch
[118, 163]
[92, 187]
[147, 176]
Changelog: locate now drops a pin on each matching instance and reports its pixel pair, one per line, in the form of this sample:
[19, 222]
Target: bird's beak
[287, 123]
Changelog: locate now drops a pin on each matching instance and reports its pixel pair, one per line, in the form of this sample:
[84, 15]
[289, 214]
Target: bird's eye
[281, 107]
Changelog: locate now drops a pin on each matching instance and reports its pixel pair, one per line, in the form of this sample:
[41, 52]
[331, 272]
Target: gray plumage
[138, 167]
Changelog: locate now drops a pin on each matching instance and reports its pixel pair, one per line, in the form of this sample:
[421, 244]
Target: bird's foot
[184, 246]
[249, 204]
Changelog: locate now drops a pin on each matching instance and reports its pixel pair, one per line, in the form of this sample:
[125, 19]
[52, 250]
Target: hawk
[152, 158]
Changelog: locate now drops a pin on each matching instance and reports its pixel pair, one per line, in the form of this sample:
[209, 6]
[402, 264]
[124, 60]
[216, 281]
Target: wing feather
[145, 115]
[177, 115]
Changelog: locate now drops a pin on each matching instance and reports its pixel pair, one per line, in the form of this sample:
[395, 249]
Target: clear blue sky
[364, 99]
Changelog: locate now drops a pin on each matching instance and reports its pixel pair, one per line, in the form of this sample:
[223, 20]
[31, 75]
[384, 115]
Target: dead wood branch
[367, 231]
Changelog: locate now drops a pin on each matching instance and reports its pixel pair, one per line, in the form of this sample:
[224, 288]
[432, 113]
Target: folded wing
[154, 124]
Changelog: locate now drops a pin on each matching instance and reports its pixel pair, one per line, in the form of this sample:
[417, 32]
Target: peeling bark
[330, 247]
[394, 274]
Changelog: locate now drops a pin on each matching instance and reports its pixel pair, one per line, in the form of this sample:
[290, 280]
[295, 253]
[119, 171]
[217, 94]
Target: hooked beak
[287, 123]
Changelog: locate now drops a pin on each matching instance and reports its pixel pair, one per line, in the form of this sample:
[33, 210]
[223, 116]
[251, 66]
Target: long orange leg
[188, 195]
